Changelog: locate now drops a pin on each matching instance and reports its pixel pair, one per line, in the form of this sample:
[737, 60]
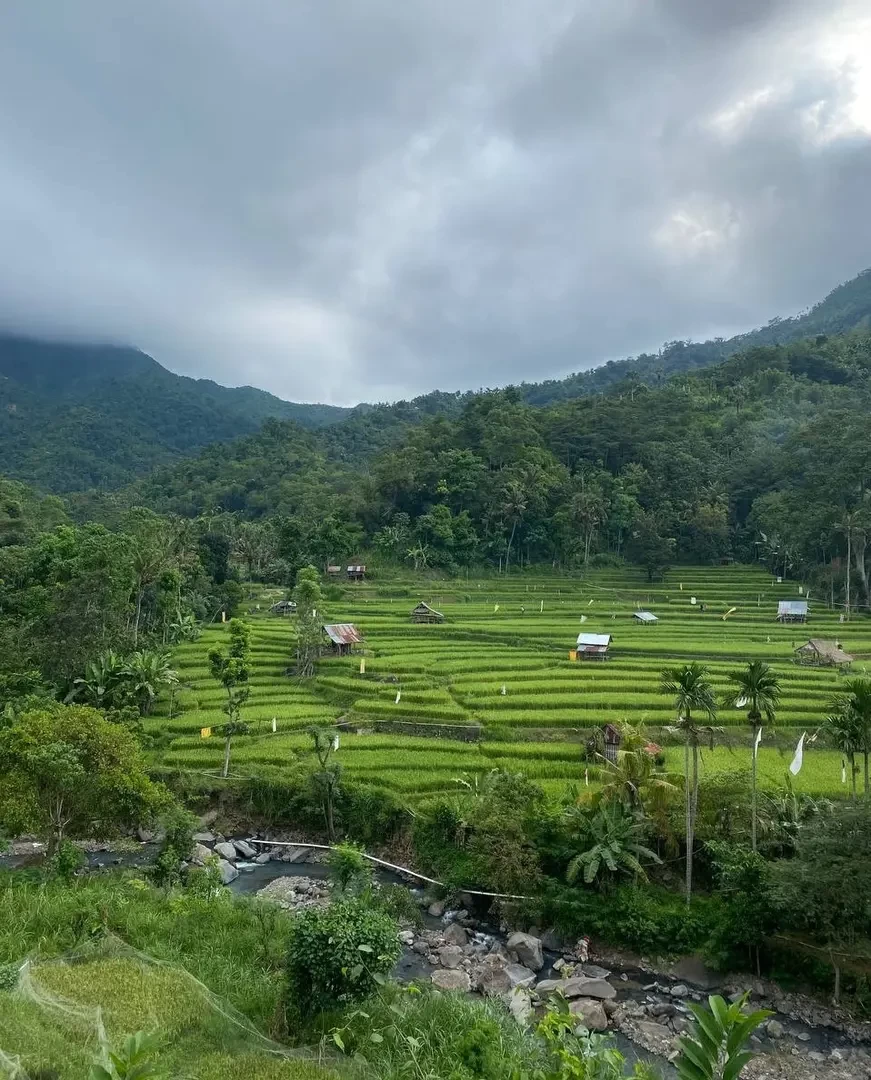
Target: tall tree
[843, 729]
[855, 707]
[309, 619]
[691, 688]
[757, 688]
[232, 671]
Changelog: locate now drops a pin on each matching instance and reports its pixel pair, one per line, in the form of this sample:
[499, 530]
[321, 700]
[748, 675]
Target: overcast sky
[339, 200]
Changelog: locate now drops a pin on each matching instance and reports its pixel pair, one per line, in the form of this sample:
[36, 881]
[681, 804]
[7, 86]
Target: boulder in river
[228, 871]
[575, 987]
[456, 935]
[200, 854]
[528, 950]
[450, 956]
[452, 980]
[519, 976]
[245, 849]
[226, 851]
[591, 1013]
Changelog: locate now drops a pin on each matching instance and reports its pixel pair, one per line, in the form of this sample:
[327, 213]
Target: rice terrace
[495, 680]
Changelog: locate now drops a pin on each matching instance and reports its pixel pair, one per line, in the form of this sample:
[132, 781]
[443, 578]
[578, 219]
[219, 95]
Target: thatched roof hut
[819, 653]
[423, 613]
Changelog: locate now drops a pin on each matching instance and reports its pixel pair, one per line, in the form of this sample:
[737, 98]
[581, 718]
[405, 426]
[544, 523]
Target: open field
[500, 660]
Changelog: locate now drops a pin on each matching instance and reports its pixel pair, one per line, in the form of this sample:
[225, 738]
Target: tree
[102, 685]
[145, 672]
[758, 688]
[326, 778]
[843, 728]
[634, 779]
[648, 547]
[691, 689]
[232, 670]
[611, 841]
[855, 709]
[66, 770]
[309, 618]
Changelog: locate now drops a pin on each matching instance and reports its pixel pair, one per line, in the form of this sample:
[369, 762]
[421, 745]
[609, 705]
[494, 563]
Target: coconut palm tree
[691, 688]
[757, 688]
[855, 706]
[634, 779]
[843, 730]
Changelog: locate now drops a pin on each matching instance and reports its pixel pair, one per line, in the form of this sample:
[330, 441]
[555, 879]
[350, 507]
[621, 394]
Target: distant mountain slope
[846, 308]
[81, 416]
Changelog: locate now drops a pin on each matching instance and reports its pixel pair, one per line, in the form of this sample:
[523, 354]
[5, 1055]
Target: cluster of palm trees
[113, 681]
[848, 727]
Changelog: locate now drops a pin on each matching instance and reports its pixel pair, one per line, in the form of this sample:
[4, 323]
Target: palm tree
[758, 688]
[855, 706]
[513, 507]
[691, 689]
[146, 672]
[634, 778]
[843, 730]
[847, 526]
[611, 838]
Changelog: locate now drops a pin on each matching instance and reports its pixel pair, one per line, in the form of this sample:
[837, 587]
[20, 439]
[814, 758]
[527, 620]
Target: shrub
[179, 826]
[351, 870]
[337, 955]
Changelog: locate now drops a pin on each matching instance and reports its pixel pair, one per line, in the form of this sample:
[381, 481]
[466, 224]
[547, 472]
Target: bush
[351, 870]
[338, 955]
[179, 826]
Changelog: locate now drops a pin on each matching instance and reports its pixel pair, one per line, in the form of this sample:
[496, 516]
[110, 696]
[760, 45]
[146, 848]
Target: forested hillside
[76, 416]
[762, 456]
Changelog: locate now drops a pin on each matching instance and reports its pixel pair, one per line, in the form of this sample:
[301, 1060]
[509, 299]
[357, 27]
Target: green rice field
[500, 660]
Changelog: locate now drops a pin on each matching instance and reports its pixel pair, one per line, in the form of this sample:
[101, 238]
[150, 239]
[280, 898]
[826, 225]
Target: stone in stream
[591, 1013]
[452, 980]
[436, 909]
[680, 991]
[594, 971]
[200, 854]
[456, 935]
[450, 956]
[575, 987]
[204, 837]
[491, 978]
[528, 950]
[264, 858]
[774, 1028]
[552, 941]
[226, 851]
[245, 849]
[228, 871]
[519, 976]
[520, 1005]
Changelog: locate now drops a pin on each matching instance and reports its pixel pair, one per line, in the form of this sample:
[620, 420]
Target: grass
[500, 660]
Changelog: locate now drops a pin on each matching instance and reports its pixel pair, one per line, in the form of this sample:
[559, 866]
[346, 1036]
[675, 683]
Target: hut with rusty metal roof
[342, 638]
[819, 653]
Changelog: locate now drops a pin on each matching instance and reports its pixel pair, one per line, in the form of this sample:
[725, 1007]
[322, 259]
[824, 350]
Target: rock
[456, 935]
[226, 851]
[450, 956]
[491, 977]
[558, 965]
[518, 975]
[520, 1005]
[228, 871]
[406, 937]
[145, 835]
[421, 947]
[804, 1036]
[817, 1057]
[774, 1028]
[452, 980]
[577, 986]
[693, 969]
[436, 909]
[836, 1057]
[209, 818]
[245, 849]
[204, 837]
[680, 1024]
[680, 991]
[200, 854]
[594, 971]
[528, 949]
[264, 858]
[591, 1013]
[552, 941]
[661, 1008]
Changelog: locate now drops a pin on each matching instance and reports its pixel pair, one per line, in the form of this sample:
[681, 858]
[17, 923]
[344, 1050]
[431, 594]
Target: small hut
[593, 646]
[819, 653]
[356, 573]
[423, 613]
[333, 570]
[647, 618]
[284, 607]
[611, 739]
[342, 637]
[792, 611]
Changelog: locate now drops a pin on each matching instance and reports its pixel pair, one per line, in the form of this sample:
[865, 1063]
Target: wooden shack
[792, 611]
[611, 739]
[284, 607]
[356, 573]
[593, 646]
[342, 638]
[819, 653]
[333, 570]
[423, 613]
[647, 618]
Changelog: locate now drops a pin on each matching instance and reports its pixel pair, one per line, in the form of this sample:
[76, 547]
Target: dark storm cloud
[338, 199]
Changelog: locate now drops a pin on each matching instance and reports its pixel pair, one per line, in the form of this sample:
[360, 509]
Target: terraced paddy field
[500, 661]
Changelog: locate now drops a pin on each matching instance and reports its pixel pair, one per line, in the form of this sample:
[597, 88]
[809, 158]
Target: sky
[345, 200]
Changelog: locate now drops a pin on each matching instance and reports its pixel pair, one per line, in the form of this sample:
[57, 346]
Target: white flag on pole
[843, 770]
[541, 609]
[495, 608]
[335, 742]
[795, 766]
[398, 696]
[274, 725]
[504, 690]
[756, 742]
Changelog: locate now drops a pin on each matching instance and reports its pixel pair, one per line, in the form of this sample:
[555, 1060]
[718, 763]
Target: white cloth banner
[795, 766]
[756, 743]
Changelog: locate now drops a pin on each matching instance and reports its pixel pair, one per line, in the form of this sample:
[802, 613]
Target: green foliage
[717, 1049]
[309, 619]
[66, 770]
[610, 839]
[134, 1060]
[338, 955]
[66, 861]
[178, 826]
[350, 870]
